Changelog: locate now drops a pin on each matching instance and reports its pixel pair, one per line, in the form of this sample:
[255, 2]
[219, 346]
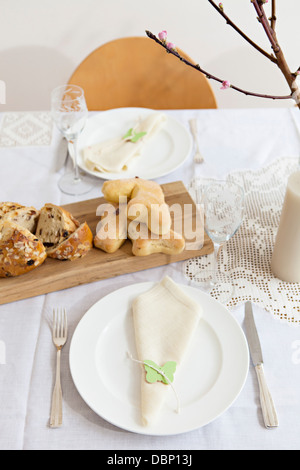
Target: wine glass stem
[217, 248]
[73, 151]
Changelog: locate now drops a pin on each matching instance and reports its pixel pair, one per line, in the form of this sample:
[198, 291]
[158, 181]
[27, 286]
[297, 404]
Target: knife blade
[62, 154]
[267, 404]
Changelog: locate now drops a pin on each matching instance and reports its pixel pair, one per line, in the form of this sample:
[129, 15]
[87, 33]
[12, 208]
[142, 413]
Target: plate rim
[113, 176]
[148, 431]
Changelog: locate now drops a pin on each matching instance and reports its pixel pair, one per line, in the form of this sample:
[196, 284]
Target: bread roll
[112, 229]
[146, 244]
[146, 202]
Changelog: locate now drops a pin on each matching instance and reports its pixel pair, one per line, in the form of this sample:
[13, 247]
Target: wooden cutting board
[54, 275]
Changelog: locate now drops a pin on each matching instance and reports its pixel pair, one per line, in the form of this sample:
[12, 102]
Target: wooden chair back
[136, 72]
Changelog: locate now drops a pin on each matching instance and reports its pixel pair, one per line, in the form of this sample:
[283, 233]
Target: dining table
[258, 147]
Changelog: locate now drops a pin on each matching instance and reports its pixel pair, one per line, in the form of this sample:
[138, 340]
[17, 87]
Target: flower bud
[162, 35]
[225, 85]
[170, 45]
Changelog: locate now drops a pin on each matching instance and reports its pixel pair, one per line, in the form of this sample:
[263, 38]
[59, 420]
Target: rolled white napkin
[165, 319]
[115, 155]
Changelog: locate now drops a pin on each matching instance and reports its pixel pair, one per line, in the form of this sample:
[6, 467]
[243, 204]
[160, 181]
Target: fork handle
[193, 127]
[56, 406]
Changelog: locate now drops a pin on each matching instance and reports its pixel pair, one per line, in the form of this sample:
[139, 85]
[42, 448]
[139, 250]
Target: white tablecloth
[230, 139]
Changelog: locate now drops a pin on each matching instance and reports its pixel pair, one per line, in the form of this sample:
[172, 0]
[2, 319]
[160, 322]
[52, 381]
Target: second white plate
[164, 153]
[210, 379]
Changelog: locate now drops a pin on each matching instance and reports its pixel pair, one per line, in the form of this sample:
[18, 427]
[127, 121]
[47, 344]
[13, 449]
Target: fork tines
[59, 325]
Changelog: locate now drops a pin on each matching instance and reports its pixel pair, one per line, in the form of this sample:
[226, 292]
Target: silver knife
[267, 405]
[62, 154]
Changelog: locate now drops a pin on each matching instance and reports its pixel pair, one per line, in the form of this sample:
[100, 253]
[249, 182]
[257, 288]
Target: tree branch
[273, 17]
[209, 75]
[281, 61]
[239, 31]
[265, 23]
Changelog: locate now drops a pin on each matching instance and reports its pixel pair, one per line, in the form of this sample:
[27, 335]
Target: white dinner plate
[164, 153]
[207, 383]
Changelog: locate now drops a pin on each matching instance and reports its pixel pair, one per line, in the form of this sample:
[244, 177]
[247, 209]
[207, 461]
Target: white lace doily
[247, 256]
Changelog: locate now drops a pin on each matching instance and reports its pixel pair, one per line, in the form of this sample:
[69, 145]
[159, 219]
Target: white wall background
[42, 42]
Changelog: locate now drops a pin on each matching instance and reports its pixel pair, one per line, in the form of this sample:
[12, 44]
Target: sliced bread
[55, 225]
[26, 217]
[77, 245]
[6, 207]
[20, 250]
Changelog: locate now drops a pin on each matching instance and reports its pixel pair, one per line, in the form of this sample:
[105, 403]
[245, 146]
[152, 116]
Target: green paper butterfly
[133, 136]
[153, 372]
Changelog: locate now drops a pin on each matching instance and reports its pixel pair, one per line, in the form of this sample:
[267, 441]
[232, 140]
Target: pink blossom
[162, 35]
[170, 45]
[225, 85]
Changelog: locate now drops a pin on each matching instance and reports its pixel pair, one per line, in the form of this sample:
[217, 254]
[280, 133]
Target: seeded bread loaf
[20, 250]
[77, 245]
[55, 225]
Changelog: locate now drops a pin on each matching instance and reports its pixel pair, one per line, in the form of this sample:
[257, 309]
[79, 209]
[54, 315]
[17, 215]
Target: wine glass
[223, 205]
[69, 112]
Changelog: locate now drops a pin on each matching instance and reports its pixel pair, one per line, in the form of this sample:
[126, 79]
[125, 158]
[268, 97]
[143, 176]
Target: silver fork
[59, 337]
[198, 158]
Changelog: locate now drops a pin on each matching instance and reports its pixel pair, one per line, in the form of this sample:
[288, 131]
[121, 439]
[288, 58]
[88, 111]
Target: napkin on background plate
[115, 155]
[165, 319]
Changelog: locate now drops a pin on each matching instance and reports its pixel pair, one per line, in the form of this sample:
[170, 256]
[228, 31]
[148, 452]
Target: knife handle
[267, 405]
